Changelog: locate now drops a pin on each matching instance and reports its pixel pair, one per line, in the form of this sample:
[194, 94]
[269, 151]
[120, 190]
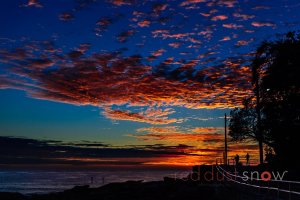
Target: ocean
[46, 181]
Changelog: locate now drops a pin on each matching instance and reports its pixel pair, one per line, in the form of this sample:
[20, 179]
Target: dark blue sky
[128, 72]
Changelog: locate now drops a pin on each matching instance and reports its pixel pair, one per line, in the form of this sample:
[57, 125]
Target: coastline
[167, 189]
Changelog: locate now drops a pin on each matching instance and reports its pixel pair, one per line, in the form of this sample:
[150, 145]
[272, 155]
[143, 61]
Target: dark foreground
[137, 190]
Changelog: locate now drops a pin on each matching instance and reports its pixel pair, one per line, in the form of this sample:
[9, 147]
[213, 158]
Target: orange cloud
[159, 52]
[226, 38]
[243, 16]
[102, 25]
[206, 142]
[144, 23]
[188, 2]
[175, 44]
[219, 17]
[106, 79]
[260, 24]
[232, 26]
[209, 130]
[174, 134]
[121, 2]
[123, 36]
[157, 8]
[180, 160]
[66, 16]
[227, 3]
[243, 42]
[34, 3]
[149, 116]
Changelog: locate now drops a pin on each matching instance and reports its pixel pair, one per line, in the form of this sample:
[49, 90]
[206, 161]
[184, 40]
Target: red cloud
[241, 43]
[159, 52]
[172, 134]
[260, 24]
[157, 8]
[34, 3]
[144, 23]
[232, 26]
[219, 17]
[212, 138]
[226, 38]
[151, 117]
[188, 2]
[123, 36]
[102, 25]
[243, 16]
[66, 16]
[106, 79]
[175, 44]
[121, 2]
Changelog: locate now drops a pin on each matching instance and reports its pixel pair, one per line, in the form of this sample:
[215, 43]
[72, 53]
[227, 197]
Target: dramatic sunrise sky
[153, 77]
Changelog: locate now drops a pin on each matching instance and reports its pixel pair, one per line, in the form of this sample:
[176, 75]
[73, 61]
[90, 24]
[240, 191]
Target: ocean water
[46, 181]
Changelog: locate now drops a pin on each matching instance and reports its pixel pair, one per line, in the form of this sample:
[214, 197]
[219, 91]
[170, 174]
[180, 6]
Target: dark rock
[11, 196]
[137, 190]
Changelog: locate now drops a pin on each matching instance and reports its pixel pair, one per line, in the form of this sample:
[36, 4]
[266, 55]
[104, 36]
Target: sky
[121, 76]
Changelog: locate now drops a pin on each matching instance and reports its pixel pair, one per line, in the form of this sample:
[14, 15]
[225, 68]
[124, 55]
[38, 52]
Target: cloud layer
[107, 79]
[192, 54]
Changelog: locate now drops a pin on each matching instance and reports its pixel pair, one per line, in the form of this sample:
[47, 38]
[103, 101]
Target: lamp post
[225, 132]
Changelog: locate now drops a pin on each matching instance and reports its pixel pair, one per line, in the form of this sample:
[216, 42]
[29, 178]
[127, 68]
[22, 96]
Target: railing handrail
[273, 180]
[257, 186]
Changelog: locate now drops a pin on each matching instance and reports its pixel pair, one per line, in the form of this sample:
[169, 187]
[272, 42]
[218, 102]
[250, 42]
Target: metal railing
[233, 162]
[250, 183]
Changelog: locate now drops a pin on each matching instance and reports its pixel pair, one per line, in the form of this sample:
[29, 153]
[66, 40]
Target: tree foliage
[242, 124]
[276, 80]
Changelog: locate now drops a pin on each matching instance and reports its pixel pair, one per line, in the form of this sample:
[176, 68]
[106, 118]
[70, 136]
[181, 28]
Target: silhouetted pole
[256, 81]
[260, 142]
[225, 156]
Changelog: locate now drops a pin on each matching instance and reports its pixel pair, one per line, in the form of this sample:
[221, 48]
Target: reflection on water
[43, 181]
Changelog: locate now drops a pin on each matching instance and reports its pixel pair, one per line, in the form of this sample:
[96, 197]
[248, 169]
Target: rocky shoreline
[195, 186]
[136, 190]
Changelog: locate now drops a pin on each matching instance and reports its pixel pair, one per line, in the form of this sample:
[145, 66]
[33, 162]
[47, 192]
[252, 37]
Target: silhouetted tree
[269, 154]
[280, 97]
[274, 115]
[242, 124]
